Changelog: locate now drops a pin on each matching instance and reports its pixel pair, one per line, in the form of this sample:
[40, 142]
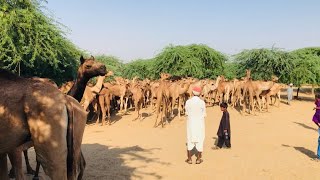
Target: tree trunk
[298, 92]
[312, 89]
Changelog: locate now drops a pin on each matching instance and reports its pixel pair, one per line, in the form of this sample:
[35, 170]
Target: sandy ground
[275, 145]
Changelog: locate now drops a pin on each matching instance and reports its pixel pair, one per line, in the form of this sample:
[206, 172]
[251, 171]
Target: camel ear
[92, 57]
[81, 59]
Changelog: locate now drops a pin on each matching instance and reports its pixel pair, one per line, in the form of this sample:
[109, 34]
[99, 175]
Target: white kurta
[196, 112]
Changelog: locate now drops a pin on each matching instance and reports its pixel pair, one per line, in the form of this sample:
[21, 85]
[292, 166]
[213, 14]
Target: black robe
[224, 124]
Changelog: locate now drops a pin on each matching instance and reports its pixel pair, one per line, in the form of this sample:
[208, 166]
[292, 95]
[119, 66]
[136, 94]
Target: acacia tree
[307, 67]
[112, 63]
[199, 61]
[34, 44]
[140, 68]
[264, 63]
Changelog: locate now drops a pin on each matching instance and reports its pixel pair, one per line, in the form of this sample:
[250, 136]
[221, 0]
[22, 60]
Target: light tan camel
[119, 90]
[90, 93]
[176, 92]
[254, 89]
[44, 113]
[137, 96]
[273, 92]
[162, 102]
[65, 88]
[104, 99]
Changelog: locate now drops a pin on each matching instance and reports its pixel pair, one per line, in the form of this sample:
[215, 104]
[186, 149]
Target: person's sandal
[189, 161]
[199, 161]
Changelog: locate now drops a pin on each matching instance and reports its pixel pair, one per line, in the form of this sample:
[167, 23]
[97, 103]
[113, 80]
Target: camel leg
[158, 106]
[103, 111]
[121, 103]
[179, 107]
[36, 174]
[279, 98]
[267, 103]
[16, 160]
[107, 108]
[29, 168]
[136, 108]
[173, 100]
[3, 167]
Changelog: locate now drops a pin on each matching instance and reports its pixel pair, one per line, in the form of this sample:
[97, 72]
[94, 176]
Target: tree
[264, 63]
[199, 61]
[307, 67]
[140, 68]
[112, 63]
[34, 44]
[231, 69]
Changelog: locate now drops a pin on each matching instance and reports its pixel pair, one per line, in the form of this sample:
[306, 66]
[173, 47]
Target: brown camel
[31, 108]
[88, 68]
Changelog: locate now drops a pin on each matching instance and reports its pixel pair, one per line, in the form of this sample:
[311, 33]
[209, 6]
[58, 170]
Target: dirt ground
[276, 145]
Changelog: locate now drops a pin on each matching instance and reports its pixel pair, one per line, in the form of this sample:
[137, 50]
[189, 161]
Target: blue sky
[133, 29]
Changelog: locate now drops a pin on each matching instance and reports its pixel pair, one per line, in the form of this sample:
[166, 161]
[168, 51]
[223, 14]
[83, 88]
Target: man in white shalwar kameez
[196, 112]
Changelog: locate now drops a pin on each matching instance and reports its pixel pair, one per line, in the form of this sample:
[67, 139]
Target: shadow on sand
[112, 163]
[305, 126]
[303, 150]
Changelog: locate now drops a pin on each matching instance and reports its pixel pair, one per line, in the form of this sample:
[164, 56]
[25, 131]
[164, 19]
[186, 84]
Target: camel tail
[70, 155]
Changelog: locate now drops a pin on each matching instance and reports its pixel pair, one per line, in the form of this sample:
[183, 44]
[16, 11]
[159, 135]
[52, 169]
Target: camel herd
[34, 112]
[168, 93]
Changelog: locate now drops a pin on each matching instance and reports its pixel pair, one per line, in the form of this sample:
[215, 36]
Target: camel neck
[100, 82]
[78, 88]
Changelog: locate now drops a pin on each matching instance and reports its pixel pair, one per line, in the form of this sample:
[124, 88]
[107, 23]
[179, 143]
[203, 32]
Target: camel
[31, 108]
[137, 96]
[176, 91]
[91, 92]
[224, 89]
[162, 95]
[119, 89]
[65, 88]
[254, 89]
[88, 68]
[274, 91]
[104, 102]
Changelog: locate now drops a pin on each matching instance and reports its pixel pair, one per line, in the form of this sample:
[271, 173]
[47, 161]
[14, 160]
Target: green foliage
[231, 69]
[112, 63]
[198, 61]
[34, 44]
[140, 68]
[307, 66]
[264, 63]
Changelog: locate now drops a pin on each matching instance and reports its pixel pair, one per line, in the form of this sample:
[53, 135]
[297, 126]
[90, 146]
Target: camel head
[274, 78]
[165, 76]
[91, 68]
[248, 73]
[212, 85]
[110, 73]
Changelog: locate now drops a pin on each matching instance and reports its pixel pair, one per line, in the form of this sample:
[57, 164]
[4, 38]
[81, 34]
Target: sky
[140, 29]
